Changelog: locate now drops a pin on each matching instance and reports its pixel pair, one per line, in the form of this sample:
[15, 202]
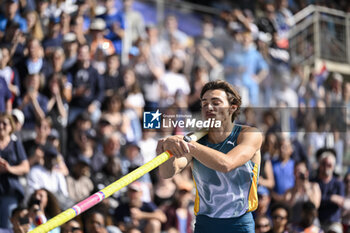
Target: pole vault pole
[96, 198]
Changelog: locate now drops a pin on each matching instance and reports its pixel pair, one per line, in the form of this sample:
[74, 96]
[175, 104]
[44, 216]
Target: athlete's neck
[217, 135]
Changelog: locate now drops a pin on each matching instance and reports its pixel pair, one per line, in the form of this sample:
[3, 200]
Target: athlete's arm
[175, 164]
[248, 145]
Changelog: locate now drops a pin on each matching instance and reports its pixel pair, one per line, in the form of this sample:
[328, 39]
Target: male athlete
[225, 164]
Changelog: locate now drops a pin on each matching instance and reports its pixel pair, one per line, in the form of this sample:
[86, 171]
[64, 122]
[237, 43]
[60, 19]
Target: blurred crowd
[77, 76]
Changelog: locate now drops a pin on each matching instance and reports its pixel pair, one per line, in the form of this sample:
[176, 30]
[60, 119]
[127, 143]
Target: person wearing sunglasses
[280, 217]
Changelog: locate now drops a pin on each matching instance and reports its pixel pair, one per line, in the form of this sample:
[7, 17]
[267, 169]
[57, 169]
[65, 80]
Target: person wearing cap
[97, 29]
[11, 14]
[224, 202]
[18, 117]
[136, 213]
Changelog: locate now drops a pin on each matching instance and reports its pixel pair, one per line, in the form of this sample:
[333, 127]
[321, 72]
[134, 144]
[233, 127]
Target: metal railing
[320, 33]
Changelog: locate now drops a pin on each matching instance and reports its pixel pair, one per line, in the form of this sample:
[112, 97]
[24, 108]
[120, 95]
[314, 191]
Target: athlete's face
[216, 105]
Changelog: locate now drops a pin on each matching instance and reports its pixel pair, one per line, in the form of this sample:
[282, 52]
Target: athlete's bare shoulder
[249, 132]
[252, 136]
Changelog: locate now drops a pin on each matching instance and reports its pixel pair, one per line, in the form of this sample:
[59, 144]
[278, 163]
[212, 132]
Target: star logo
[151, 120]
[155, 115]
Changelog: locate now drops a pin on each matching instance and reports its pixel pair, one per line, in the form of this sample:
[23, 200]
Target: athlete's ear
[233, 108]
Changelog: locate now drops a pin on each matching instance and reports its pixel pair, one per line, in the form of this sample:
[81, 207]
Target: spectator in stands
[20, 220]
[264, 199]
[268, 23]
[84, 11]
[47, 177]
[269, 151]
[97, 30]
[209, 51]
[173, 81]
[284, 94]
[110, 149]
[201, 77]
[18, 118]
[134, 212]
[79, 183]
[172, 31]
[65, 18]
[136, 27]
[149, 68]
[88, 87]
[262, 224]
[178, 214]
[147, 142]
[332, 191]
[77, 27]
[72, 226]
[54, 36]
[34, 105]
[58, 107]
[131, 159]
[5, 97]
[303, 191]
[280, 217]
[104, 129]
[13, 163]
[112, 77]
[70, 46]
[84, 145]
[10, 75]
[307, 219]
[115, 24]
[256, 68]
[43, 205]
[283, 169]
[115, 114]
[11, 13]
[131, 90]
[15, 40]
[346, 206]
[34, 62]
[97, 222]
[159, 47]
[33, 146]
